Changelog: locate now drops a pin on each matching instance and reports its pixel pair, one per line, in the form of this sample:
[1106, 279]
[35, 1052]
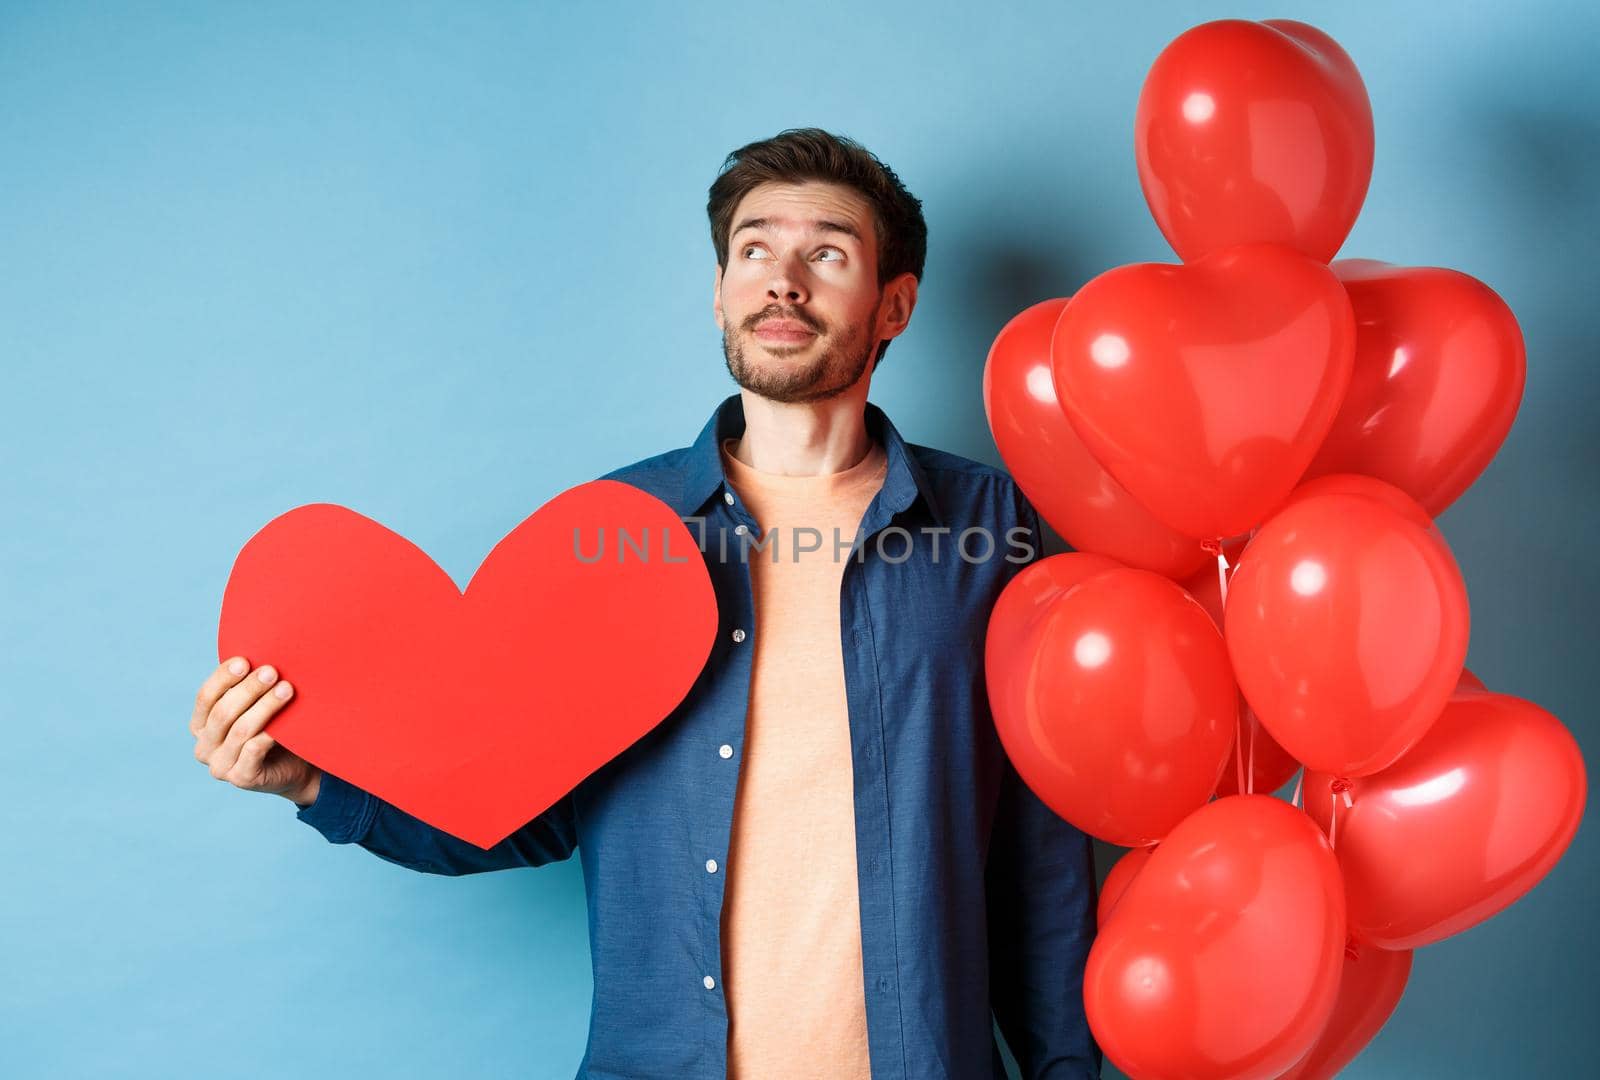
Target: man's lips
[784, 331]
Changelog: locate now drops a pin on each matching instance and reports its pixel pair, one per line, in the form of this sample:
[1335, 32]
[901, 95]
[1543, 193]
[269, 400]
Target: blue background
[438, 262]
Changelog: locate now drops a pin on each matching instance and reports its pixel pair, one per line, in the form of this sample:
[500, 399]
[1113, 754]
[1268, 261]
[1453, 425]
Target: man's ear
[899, 300]
[716, 297]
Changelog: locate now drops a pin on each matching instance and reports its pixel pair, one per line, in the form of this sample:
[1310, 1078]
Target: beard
[836, 368]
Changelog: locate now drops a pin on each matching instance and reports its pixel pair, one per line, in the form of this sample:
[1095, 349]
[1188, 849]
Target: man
[822, 863]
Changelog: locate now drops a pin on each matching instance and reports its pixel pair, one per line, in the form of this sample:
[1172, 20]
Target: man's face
[799, 304]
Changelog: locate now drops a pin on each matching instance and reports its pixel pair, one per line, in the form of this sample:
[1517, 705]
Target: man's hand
[230, 710]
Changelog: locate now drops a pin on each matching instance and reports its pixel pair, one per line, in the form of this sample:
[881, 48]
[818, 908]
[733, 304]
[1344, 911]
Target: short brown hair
[801, 154]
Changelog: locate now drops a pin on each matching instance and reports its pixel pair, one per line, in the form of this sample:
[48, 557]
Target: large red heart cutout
[1205, 389]
[1439, 372]
[475, 712]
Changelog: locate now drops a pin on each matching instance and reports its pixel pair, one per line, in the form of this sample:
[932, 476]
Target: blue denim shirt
[974, 897]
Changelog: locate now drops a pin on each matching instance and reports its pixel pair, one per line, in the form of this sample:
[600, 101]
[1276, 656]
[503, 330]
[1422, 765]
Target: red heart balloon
[475, 711]
[1206, 389]
[1439, 372]
[1118, 880]
[1347, 624]
[1116, 705]
[1222, 957]
[1371, 986]
[1055, 470]
[1254, 131]
[1463, 825]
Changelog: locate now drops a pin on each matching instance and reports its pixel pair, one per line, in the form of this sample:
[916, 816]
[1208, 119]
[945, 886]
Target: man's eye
[833, 251]
[752, 247]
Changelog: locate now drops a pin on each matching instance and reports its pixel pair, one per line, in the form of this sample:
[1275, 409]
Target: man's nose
[787, 283]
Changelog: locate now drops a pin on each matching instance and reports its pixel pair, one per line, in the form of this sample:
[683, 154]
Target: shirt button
[727, 497]
[709, 981]
[883, 983]
[725, 750]
[711, 866]
[740, 529]
[738, 636]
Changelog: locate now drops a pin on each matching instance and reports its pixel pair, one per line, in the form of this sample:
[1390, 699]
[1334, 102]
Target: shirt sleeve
[1040, 884]
[345, 814]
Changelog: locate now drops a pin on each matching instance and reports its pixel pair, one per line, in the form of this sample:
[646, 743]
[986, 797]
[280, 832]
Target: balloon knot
[1351, 950]
[1340, 786]
[1211, 547]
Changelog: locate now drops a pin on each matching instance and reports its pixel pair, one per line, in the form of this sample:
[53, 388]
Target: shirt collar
[703, 476]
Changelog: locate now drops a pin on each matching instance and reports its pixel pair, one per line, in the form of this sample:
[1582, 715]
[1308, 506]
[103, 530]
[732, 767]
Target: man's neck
[810, 439]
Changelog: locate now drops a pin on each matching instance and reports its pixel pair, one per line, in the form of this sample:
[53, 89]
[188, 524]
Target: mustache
[805, 318]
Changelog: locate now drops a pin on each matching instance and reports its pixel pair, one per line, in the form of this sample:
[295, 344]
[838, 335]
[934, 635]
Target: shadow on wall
[987, 263]
[1520, 533]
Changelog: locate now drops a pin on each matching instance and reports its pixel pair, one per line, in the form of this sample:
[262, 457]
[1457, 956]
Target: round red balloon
[1347, 625]
[1372, 488]
[1254, 131]
[1439, 372]
[1057, 473]
[1117, 705]
[1206, 389]
[1223, 956]
[1372, 984]
[1368, 487]
[1467, 822]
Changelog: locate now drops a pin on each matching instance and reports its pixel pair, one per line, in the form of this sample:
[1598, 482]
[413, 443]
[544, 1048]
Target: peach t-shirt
[791, 920]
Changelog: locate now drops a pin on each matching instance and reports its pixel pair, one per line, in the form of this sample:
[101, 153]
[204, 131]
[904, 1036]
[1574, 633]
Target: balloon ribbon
[1244, 774]
[1340, 786]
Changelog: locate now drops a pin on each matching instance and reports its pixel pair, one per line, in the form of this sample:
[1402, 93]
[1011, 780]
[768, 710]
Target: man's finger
[225, 676]
[254, 718]
[235, 701]
[247, 771]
